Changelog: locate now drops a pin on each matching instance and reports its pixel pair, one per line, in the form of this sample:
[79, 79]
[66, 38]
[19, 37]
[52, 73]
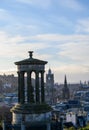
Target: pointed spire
[65, 82]
[66, 92]
[49, 71]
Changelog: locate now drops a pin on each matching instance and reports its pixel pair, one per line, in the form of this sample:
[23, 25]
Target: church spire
[65, 82]
[49, 71]
[65, 90]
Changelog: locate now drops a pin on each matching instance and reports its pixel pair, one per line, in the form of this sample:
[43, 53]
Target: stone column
[48, 126]
[28, 86]
[37, 88]
[4, 125]
[19, 87]
[22, 93]
[22, 126]
[30, 96]
[42, 87]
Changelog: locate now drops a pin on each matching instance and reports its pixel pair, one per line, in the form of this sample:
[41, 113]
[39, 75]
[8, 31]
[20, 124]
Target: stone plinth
[31, 113]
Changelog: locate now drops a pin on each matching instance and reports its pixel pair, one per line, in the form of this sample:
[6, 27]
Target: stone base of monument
[31, 113]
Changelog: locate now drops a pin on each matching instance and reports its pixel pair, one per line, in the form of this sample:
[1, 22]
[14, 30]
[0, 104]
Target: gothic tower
[65, 90]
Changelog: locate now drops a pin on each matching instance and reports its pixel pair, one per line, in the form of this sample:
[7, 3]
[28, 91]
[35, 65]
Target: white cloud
[72, 4]
[6, 16]
[14, 46]
[19, 50]
[82, 26]
[75, 47]
[7, 39]
[38, 3]
[71, 51]
[71, 69]
[75, 51]
[60, 38]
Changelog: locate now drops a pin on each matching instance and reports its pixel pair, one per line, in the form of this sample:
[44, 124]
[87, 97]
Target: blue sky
[57, 31]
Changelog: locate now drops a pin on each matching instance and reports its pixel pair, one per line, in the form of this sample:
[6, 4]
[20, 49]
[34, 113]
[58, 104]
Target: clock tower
[49, 87]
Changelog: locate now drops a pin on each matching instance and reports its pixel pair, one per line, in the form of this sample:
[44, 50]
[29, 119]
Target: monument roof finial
[30, 54]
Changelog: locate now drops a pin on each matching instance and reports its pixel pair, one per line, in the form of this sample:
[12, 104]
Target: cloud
[9, 22]
[60, 38]
[77, 52]
[70, 69]
[60, 20]
[82, 26]
[38, 3]
[8, 39]
[65, 53]
[72, 4]
[14, 46]
[5, 15]
[73, 47]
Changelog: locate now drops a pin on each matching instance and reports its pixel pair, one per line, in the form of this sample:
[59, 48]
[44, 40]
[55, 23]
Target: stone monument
[31, 109]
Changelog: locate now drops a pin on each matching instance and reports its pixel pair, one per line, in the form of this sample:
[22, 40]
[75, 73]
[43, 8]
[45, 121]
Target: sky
[56, 30]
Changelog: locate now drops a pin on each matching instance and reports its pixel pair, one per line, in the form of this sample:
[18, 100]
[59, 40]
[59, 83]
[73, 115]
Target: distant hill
[8, 83]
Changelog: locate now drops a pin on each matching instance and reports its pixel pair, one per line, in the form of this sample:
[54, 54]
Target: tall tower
[65, 90]
[50, 87]
[31, 107]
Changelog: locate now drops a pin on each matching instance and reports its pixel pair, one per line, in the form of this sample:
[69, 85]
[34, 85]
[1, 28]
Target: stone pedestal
[30, 113]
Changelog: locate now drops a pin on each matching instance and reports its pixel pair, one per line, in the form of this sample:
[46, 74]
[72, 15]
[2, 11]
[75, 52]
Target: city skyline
[57, 32]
